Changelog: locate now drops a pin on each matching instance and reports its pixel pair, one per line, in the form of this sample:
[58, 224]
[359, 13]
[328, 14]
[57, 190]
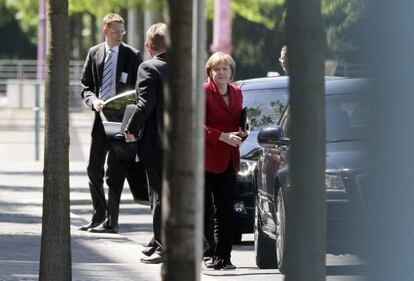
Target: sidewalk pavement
[95, 257]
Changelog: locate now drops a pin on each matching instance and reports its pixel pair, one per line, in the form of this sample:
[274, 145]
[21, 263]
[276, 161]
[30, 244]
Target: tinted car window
[265, 106]
[346, 117]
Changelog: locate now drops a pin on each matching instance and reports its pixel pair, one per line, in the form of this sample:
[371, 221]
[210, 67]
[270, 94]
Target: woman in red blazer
[222, 158]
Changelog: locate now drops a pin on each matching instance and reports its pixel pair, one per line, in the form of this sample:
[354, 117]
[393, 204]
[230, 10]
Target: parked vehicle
[266, 100]
[346, 118]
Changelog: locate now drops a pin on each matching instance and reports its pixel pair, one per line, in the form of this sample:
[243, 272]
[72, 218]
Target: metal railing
[27, 69]
[18, 83]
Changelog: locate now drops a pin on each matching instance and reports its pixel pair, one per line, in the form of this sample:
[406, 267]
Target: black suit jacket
[128, 61]
[150, 105]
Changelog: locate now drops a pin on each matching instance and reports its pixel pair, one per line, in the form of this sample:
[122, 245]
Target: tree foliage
[27, 10]
[26, 15]
[18, 45]
[258, 27]
[257, 11]
[342, 22]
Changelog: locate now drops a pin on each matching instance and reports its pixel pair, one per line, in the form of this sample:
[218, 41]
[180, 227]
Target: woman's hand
[242, 133]
[231, 138]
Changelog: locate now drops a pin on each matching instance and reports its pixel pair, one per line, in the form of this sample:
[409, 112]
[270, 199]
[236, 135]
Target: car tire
[264, 246]
[280, 231]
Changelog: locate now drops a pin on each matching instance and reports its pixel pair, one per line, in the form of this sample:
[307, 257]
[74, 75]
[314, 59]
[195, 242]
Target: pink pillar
[41, 40]
[222, 27]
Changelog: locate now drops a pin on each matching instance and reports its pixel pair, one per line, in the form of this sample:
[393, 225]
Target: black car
[346, 118]
[266, 100]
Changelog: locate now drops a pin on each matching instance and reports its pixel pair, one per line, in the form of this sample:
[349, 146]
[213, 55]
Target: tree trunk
[306, 219]
[55, 255]
[183, 177]
[135, 27]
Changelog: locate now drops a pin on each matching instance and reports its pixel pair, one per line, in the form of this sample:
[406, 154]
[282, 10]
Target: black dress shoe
[224, 264]
[104, 228]
[155, 258]
[90, 225]
[208, 262]
[148, 251]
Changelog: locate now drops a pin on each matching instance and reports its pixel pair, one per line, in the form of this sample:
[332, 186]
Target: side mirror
[272, 136]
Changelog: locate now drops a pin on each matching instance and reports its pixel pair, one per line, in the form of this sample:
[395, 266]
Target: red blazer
[221, 118]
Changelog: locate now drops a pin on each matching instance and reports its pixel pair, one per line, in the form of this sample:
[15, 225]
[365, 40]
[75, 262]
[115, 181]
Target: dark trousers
[153, 167]
[209, 244]
[219, 193]
[115, 178]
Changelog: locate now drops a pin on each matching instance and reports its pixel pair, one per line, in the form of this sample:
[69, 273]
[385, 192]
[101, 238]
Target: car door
[272, 172]
[112, 116]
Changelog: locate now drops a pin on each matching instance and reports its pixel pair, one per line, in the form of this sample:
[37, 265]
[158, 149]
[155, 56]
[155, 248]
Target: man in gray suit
[110, 68]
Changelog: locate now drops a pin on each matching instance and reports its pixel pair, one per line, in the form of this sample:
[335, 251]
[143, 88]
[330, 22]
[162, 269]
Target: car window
[114, 107]
[346, 117]
[265, 106]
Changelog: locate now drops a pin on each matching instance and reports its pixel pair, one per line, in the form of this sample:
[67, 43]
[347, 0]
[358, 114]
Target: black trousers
[153, 168]
[219, 194]
[115, 177]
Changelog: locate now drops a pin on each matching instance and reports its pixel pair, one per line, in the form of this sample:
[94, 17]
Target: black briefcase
[244, 125]
[137, 180]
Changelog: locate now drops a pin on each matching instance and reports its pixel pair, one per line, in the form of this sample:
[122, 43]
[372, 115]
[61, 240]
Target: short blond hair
[157, 37]
[110, 18]
[220, 58]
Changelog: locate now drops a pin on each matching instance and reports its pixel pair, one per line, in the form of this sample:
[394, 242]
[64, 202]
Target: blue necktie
[107, 77]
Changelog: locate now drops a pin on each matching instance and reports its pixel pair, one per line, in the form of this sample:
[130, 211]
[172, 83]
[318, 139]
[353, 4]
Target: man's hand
[231, 138]
[130, 137]
[98, 105]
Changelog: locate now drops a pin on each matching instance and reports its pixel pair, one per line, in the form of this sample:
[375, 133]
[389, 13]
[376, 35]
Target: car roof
[263, 83]
[353, 85]
[335, 85]
[278, 82]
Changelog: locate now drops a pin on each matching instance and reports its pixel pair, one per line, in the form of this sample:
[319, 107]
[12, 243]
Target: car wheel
[237, 238]
[280, 231]
[264, 246]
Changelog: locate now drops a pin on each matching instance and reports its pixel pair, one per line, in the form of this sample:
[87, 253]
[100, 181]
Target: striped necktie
[107, 77]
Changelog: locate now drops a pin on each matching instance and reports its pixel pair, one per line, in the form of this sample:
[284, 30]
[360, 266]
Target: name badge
[124, 77]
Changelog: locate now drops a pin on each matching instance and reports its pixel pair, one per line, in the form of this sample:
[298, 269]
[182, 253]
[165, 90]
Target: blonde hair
[157, 37]
[110, 18]
[220, 58]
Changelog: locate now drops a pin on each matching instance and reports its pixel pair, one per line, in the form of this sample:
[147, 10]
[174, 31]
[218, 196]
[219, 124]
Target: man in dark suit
[110, 68]
[149, 116]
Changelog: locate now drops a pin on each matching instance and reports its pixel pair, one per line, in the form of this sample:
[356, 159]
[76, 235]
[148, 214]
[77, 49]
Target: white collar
[114, 49]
